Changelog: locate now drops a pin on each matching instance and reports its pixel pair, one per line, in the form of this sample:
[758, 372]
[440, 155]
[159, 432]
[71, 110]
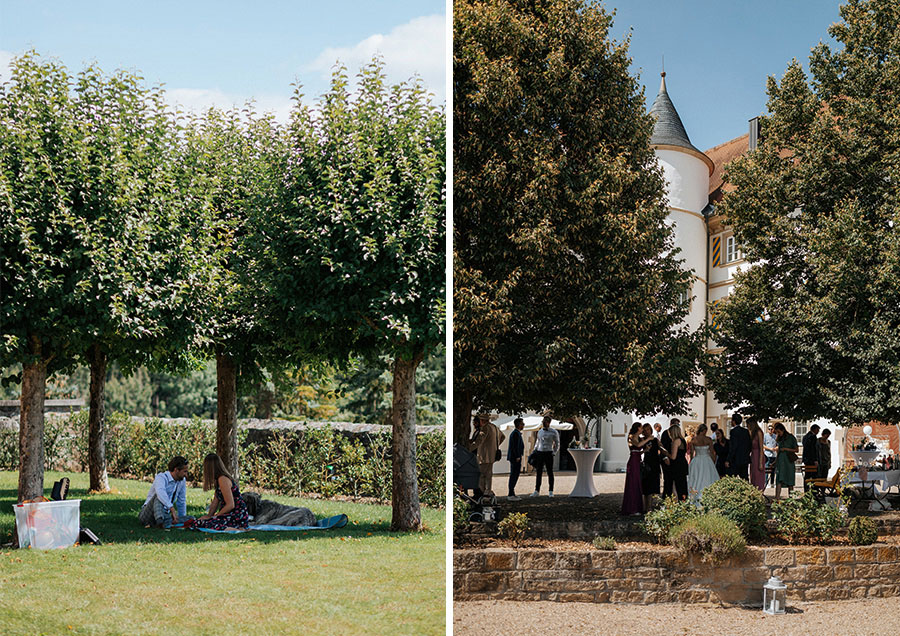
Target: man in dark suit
[666, 443]
[514, 455]
[738, 462]
[810, 455]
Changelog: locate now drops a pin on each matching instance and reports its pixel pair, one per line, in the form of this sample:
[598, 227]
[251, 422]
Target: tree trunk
[462, 417]
[406, 514]
[97, 421]
[226, 412]
[31, 430]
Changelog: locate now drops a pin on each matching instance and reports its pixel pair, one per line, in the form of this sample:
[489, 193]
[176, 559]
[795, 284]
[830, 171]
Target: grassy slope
[361, 579]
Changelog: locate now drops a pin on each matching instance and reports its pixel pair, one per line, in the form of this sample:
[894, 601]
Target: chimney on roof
[754, 133]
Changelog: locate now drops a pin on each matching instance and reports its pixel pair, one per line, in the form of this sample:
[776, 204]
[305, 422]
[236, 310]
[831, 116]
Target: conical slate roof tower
[668, 130]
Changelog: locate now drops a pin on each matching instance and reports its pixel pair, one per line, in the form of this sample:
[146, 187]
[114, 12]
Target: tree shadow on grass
[113, 518]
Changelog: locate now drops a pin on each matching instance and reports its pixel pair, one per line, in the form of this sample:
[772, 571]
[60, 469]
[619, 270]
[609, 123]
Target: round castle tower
[686, 171]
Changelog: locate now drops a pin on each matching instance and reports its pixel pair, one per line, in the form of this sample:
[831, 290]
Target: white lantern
[774, 596]
[867, 430]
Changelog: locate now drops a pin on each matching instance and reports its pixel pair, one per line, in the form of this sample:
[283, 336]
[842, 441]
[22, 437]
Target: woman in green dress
[785, 468]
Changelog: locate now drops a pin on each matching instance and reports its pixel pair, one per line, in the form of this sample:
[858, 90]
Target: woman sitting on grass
[227, 510]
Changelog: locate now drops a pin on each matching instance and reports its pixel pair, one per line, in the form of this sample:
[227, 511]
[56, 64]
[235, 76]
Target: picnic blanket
[337, 521]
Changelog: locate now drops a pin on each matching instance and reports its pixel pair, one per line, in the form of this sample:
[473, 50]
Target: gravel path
[869, 617]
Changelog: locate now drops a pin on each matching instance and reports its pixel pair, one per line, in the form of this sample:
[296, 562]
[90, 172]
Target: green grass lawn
[360, 579]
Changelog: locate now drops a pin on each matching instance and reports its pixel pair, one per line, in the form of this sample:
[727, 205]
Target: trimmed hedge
[322, 460]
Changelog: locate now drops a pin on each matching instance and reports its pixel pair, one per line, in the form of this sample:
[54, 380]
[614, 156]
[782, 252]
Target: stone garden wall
[667, 575]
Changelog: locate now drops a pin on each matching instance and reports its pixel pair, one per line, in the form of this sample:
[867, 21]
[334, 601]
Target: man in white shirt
[545, 448]
[167, 500]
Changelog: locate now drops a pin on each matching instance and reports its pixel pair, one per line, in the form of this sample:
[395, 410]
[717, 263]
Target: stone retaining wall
[623, 527]
[668, 575]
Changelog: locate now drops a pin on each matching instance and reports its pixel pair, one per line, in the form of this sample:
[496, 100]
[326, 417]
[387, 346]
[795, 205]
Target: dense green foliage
[316, 460]
[97, 246]
[566, 284]
[812, 329]
[356, 251]
[802, 519]
[232, 161]
[862, 531]
[712, 535]
[353, 260]
[668, 514]
[739, 501]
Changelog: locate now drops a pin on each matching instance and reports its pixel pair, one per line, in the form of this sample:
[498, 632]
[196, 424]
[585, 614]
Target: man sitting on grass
[169, 486]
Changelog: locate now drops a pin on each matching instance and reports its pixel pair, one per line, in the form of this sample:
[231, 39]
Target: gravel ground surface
[869, 617]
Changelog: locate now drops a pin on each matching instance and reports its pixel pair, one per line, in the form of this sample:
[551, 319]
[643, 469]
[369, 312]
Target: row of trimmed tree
[137, 233]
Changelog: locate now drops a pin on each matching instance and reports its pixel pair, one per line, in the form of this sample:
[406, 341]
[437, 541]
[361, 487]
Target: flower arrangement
[865, 444]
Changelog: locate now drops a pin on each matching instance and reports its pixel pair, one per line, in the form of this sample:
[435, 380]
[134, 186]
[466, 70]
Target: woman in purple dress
[633, 500]
[227, 510]
[757, 457]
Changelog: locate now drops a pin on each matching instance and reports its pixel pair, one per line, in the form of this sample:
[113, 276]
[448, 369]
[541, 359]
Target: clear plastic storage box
[48, 524]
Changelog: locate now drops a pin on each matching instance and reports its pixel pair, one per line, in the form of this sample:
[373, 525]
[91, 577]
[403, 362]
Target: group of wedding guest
[652, 456]
[713, 453]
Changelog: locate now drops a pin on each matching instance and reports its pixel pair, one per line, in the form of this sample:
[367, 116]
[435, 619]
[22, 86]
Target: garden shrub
[714, 536]
[802, 519]
[289, 462]
[669, 513]
[9, 447]
[862, 531]
[604, 543]
[513, 526]
[460, 516]
[740, 501]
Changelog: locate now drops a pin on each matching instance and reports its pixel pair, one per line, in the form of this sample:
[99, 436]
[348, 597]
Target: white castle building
[694, 185]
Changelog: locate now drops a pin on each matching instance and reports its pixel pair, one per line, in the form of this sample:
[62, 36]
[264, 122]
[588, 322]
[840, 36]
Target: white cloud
[414, 48]
[199, 100]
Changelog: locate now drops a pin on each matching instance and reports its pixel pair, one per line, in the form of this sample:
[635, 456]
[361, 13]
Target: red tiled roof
[721, 155]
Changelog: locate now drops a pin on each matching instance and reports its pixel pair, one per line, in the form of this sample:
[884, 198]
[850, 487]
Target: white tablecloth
[888, 479]
[585, 458]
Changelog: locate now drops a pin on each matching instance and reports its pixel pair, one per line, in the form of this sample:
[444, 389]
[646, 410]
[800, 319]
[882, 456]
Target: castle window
[732, 252]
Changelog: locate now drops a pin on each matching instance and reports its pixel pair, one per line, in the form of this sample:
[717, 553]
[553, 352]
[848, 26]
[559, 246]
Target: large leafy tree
[355, 261]
[94, 255]
[565, 282]
[813, 328]
[138, 291]
[233, 162]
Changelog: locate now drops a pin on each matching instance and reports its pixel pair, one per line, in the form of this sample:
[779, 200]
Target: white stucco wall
[687, 180]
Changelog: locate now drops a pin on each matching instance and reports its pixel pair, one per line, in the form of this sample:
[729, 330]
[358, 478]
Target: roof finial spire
[662, 84]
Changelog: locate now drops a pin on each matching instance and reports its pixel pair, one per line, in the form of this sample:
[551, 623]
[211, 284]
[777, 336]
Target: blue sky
[718, 54]
[225, 52]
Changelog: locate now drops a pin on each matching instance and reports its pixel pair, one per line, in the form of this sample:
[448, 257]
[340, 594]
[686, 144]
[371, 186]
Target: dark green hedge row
[323, 461]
